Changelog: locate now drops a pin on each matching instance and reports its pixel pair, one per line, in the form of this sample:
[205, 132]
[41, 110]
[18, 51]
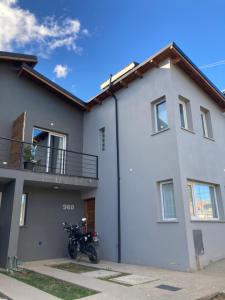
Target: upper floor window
[161, 120]
[206, 123]
[23, 209]
[167, 200]
[102, 138]
[202, 201]
[185, 113]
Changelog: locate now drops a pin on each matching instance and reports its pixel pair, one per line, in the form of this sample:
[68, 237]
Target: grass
[74, 268]
[56, 287]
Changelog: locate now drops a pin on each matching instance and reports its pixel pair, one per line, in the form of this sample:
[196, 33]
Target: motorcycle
[82, 242]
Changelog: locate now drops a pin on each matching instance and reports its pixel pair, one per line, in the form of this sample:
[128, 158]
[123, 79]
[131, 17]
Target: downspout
[118, 169]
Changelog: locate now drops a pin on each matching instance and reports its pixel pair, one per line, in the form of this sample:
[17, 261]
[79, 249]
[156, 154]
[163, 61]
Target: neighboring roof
[177, 56]
[26, 70]
[30, 60]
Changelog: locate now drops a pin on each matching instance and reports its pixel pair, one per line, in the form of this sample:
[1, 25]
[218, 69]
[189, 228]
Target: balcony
[35, 158]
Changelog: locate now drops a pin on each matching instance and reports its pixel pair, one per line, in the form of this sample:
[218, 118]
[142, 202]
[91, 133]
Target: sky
[79, 43]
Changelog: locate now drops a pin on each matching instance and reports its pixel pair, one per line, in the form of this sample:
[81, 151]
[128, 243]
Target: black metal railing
[39, 158]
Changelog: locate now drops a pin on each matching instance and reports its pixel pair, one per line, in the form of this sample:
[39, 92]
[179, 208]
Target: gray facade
[147, 159]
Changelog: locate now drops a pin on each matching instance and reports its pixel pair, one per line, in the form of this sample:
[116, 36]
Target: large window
[202, 201]
[167, 200]
[161, 121]
[23, 209]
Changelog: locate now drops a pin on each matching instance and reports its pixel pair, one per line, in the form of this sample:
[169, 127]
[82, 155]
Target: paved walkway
[193, 285]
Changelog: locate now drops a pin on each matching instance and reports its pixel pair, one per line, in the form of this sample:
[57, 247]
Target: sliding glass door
[50, 152]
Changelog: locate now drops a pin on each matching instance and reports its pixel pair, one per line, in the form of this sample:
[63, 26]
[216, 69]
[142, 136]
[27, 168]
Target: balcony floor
[48, 180]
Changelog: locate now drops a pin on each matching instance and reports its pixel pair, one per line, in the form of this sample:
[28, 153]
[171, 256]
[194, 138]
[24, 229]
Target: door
[89, 208]
[50, 151]
[56, 153]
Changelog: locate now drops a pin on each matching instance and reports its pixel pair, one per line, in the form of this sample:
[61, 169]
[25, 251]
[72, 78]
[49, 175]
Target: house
[143, 160]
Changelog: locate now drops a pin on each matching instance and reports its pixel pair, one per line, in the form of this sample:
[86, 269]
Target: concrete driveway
[157, 284]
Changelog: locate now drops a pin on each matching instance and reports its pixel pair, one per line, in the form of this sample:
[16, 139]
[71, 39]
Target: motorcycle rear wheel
[94, 254]
[72, 250]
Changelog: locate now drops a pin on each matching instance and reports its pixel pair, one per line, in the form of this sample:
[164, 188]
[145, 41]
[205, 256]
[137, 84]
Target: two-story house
[143, 160]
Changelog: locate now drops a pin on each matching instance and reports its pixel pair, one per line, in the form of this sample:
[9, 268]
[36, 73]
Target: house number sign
[68, 206]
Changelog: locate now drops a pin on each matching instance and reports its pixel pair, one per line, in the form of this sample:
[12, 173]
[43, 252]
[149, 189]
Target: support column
[9, 220]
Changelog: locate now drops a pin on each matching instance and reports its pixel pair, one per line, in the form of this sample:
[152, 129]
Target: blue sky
[112, 34]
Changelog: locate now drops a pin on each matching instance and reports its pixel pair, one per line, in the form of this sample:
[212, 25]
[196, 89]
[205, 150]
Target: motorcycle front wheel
[72, 250]
[93, 254]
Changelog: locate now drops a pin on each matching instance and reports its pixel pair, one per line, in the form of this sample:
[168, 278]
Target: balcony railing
[39, 158]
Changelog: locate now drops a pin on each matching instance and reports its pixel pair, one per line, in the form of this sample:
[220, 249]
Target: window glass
[183, 114]
[169, 211]
[102, 138]
[204, 124]
[23, 209]
[161, 116]
[203, 199]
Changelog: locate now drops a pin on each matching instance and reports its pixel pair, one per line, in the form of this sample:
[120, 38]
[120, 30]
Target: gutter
[118, 169]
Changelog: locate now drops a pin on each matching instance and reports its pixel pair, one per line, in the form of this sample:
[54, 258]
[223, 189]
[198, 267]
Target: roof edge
[25, 69]
[30, 60]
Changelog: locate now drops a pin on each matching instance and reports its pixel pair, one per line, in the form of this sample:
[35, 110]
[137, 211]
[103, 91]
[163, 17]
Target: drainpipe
[118, 168]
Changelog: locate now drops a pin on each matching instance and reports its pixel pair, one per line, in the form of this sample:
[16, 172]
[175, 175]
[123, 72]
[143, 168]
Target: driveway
[146, 282]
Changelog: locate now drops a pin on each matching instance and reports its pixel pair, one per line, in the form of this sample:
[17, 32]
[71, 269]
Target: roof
[26, 63]
[177, 57]
[30, 60]
[52, 86]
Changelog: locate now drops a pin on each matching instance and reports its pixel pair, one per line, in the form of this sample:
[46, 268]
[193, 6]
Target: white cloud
[19, 28]
[61, 71]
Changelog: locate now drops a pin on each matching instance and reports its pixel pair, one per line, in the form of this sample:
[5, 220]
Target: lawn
[59, 288]
[74, 268]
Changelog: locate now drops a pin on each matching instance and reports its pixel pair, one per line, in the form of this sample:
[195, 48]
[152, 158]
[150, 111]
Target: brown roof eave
[25, 70]
[173, 52]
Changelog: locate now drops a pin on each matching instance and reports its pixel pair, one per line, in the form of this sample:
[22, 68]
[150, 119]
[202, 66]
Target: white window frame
[204, 124]
[162, 202]
[184, 105]
[195, 218]
[64, 146]
[155, 115]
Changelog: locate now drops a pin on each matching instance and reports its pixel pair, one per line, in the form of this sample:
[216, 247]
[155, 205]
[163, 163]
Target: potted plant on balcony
[29, 161]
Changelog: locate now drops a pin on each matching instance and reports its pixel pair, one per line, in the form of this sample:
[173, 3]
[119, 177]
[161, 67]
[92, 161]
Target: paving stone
[133, 279]
[101, 274]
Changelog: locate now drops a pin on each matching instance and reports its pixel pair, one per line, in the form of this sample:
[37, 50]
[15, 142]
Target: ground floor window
[23, 209]
[202, 201]
[167, 200]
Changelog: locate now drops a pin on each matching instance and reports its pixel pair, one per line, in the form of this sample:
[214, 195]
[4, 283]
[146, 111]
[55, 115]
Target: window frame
[162, 201]
[184, 105]
[155, 115]
[22, 224]
[204, 124]
[194, 217]
[102, 138]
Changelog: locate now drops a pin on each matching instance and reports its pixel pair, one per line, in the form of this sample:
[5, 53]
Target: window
[23, 209]
[161, 121]
[202, 201]
[167, 198]
[102, 138]
[206, 123]
[0, 199]
[183, 114]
